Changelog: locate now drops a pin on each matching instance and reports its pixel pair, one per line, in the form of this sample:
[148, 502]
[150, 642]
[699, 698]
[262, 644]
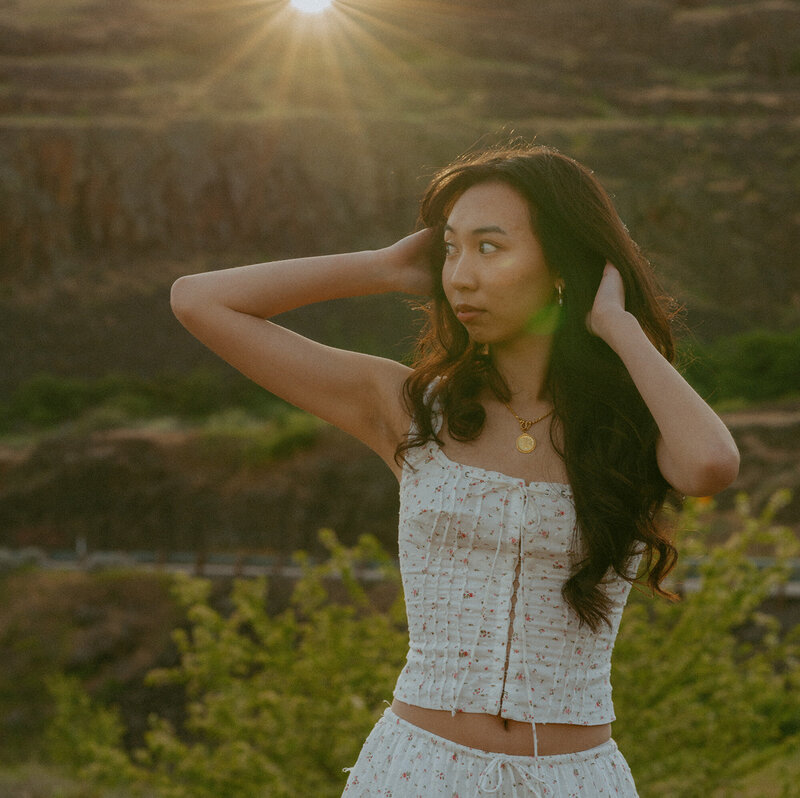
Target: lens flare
[311, 6]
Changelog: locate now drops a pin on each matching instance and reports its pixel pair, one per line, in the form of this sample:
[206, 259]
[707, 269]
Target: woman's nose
[462, 272]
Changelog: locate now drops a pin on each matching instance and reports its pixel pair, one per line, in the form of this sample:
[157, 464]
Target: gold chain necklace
[526, 443]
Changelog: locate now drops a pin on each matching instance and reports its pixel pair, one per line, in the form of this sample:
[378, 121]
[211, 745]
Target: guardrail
[207, 564]
[232, 564]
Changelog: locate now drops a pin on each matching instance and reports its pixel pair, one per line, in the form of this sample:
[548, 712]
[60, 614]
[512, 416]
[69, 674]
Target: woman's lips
[467, 313]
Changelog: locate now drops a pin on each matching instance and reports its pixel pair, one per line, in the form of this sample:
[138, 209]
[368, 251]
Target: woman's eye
[486, 247]
[449, 247]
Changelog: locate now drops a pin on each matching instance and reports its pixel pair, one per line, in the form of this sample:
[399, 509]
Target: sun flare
[311, 6]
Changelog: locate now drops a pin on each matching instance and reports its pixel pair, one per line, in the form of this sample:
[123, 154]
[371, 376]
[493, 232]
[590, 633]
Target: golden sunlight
[311, 6]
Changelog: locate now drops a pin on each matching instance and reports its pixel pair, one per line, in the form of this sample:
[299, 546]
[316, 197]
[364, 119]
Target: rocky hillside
[142, 139]
[170, 491]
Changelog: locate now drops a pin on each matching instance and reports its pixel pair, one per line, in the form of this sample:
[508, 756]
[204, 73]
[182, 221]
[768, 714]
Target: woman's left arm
[696, 453]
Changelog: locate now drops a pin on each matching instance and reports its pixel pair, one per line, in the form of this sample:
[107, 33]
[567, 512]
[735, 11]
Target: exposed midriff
[500, 735]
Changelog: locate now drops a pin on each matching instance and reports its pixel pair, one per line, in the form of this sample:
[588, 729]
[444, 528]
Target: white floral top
[483, 558]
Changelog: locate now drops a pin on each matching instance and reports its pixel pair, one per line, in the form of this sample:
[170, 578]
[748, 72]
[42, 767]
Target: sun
[311, 6]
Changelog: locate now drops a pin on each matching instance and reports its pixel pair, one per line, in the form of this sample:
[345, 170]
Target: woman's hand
[609, 305]
[408, 263]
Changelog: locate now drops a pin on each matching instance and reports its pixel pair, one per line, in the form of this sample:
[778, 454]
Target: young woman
[534, 440]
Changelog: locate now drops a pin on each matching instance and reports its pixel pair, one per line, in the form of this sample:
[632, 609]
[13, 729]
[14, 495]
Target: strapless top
[483, 558]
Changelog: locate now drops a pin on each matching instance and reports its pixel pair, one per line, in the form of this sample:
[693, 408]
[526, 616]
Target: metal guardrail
[691, 583]
[230, 564]
[217, 564]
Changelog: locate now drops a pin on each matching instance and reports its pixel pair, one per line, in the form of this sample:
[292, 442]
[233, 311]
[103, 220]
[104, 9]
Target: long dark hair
[607, 434]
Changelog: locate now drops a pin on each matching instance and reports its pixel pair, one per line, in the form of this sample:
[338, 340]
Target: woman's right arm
[361, 394]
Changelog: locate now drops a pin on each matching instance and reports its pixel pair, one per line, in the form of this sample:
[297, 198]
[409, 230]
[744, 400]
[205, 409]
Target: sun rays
[348, 57]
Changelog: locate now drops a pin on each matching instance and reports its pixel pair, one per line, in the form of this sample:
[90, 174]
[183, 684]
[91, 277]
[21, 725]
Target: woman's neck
[524, 365]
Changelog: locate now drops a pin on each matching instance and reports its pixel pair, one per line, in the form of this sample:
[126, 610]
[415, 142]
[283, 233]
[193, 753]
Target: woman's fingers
[609, 301]
[412, 257]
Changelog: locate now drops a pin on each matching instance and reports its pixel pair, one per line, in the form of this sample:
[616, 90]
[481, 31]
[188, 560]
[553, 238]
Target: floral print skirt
[400, 760]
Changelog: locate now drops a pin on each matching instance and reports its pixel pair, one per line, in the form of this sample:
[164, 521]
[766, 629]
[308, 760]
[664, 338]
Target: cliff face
[141, 140]
[300, 184]
[96, 221]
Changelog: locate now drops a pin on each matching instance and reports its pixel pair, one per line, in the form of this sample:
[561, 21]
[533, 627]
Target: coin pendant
[526, 443]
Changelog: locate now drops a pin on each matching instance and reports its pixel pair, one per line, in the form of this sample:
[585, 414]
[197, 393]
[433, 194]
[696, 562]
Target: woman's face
[495, 276]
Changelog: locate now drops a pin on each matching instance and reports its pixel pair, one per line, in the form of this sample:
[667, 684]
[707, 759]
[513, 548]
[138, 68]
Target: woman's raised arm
[361, 394]
[696, 452]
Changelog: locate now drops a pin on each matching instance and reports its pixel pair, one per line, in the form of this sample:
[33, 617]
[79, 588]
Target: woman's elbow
[716, 472]
[183, 297]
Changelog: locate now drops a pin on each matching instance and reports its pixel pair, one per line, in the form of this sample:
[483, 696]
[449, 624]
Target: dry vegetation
[142, 139]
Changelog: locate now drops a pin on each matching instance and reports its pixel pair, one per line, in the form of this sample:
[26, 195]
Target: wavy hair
[608, 436]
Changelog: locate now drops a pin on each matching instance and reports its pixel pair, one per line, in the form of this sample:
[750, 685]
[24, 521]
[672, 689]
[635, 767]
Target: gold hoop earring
[560, 292]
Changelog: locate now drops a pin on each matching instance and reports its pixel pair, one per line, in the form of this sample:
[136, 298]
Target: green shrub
[703, 684]
[108, 627]
[755, 366]
[47, 400]
[706, 690]
[85, 737]
[276, 705]
[235, 436]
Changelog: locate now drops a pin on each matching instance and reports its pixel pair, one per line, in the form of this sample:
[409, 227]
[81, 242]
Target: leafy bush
[703, 684]
[755, 366]
[86, 737]
[48, 400]
[277, 705]
[108, 627]
[236, 436]
[706, 690]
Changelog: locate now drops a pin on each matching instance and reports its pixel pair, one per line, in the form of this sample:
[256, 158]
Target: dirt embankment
[769, 441]
[142, 490]
[155, 491]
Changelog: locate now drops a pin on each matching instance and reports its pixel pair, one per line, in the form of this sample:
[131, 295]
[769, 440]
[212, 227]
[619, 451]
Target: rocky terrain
[164, 492]
[142, 139]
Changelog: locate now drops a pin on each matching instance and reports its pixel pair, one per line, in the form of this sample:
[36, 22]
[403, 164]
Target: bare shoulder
[390, 417]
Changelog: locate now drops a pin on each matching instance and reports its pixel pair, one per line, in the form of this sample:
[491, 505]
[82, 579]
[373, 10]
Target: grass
[736, 371]
[49, 402]
[37, 780]
[34, 780]
[774, 772]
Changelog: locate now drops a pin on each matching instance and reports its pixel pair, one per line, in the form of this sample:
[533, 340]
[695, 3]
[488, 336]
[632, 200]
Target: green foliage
[755, 366]
[85, 737]
[235, 436]
[706, 689]
[35, 780]
[277, 705]
[703, 684]
[47, 400]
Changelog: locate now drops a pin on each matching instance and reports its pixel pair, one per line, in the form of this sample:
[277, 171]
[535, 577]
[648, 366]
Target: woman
[534, 439]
